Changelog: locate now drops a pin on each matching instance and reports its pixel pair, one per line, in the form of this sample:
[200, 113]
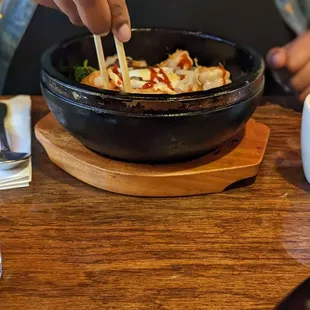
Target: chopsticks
[122, 61]
[123, 64]
[101, 61]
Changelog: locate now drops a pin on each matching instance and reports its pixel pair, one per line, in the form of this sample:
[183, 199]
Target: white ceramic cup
[305, 138]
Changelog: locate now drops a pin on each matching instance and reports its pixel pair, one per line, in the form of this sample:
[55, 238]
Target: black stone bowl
[153, 128]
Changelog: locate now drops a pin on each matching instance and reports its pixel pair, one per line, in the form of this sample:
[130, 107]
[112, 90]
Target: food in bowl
[179, 73]
[148, 127]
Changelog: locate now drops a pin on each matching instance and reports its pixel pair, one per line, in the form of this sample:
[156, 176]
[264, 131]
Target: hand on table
[295, 58]
[99, 16]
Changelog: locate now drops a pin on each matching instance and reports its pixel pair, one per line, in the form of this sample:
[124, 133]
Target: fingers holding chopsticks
[102, 16]
[99, 16]
[95, 15]
[120, 20]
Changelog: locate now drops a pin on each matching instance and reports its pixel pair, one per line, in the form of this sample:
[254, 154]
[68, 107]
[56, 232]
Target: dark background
[254, 22]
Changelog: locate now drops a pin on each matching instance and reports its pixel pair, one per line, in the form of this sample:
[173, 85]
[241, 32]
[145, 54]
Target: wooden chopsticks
[122, 61]
[101, 61]
[123, 64]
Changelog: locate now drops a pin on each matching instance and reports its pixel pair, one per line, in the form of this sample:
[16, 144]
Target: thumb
[277, 58]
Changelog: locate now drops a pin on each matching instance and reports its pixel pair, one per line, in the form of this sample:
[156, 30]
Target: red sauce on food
[148, 85]
[165, 78]
[185, 62]
[154, 75]
[115, 70]
[182, 77]
[223, 75]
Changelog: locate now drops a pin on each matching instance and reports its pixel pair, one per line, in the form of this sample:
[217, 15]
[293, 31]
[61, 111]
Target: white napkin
[18, 130]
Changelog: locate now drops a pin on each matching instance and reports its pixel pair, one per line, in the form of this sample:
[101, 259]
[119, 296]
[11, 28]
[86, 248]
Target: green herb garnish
[80, 72]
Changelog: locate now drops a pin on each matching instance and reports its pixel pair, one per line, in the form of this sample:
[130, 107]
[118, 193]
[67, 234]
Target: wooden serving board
[239, 158]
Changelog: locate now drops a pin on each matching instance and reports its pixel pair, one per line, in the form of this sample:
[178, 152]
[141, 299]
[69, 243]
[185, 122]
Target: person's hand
[99, 16]
[295, 58]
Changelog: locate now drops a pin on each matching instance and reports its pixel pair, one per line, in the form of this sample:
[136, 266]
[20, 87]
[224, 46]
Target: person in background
[294, 57]
[100, 17]
[14, 20]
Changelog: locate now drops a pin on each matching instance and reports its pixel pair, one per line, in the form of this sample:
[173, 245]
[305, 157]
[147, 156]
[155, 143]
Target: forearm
[16, 17]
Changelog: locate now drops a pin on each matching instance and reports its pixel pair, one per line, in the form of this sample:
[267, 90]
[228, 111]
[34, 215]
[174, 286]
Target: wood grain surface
[238, 159]
[67, 245]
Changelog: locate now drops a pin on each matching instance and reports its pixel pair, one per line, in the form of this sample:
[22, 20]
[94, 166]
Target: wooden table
[66, 245]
